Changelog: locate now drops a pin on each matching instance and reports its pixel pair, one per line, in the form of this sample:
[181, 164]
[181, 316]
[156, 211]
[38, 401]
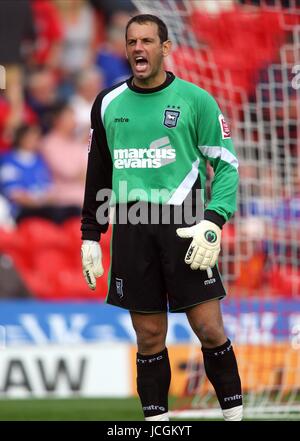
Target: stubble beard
[147, 80]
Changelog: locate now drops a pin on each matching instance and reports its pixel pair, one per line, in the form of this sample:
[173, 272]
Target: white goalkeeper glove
[91, 256]
[205, 247]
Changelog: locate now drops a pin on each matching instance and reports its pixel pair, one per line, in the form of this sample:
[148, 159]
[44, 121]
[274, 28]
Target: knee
[211, 335]
[150, 338]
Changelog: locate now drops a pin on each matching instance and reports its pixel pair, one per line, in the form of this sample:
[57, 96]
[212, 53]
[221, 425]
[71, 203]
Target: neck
[150, 83]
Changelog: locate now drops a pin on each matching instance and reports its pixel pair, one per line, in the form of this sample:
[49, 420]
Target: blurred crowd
[59, 54]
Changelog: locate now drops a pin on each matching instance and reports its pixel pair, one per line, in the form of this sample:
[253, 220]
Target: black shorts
[148, 271]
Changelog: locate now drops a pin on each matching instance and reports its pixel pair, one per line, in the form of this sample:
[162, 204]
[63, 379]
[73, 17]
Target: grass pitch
[73, 409]
[82, 409]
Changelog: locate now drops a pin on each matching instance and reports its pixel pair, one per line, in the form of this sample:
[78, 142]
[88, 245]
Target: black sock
[153, 382]
[222, 371]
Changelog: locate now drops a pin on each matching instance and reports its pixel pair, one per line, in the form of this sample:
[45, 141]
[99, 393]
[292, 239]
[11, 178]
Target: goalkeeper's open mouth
[141, 64]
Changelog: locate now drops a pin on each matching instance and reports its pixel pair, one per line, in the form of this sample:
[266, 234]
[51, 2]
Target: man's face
[144, 50]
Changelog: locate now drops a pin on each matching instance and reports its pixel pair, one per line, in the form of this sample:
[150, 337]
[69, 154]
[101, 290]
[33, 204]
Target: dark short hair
[145, 18]
[21, 132]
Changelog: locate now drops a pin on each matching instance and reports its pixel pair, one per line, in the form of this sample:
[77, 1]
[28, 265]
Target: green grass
[74, 409]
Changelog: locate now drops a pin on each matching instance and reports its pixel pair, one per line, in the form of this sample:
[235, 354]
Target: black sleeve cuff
[91, 235]
[214, 217]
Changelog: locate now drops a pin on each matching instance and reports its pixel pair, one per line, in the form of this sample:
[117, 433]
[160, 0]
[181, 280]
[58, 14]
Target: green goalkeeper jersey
[153, 145]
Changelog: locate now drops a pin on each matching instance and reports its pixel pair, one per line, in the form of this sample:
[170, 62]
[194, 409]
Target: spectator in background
[24, 176]
[109, 8]
[88, 85]
[78, 22]
[259, 190]
[7, 221]
[42, 96]
[16, 26]
[287, 216]
[49, 33]
[67, 159]
[214, 6]
[6, 132]
[111, 57]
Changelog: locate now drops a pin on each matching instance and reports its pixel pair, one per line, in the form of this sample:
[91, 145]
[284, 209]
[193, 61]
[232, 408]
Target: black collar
[169, 79]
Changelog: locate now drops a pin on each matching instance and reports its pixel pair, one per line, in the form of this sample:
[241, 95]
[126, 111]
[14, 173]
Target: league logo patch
[171, 118]
[119, 286]
[224, 127]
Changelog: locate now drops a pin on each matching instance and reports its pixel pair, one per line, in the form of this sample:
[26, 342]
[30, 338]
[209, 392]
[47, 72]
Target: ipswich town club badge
[171, 118]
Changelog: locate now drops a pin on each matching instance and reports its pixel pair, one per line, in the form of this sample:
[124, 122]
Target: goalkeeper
[156, 131]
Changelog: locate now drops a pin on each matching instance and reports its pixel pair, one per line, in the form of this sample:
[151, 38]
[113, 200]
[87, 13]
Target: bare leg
[207, 323]
[153, 367]
[151, 331]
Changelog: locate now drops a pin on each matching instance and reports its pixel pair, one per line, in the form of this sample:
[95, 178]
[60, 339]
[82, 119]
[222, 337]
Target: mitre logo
[121, 120]
[158, 154]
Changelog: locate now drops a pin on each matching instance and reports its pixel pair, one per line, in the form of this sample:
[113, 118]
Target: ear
[166, 48]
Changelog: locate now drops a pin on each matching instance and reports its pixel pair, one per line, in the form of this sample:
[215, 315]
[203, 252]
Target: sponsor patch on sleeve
[90, 140]
[225, 129]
